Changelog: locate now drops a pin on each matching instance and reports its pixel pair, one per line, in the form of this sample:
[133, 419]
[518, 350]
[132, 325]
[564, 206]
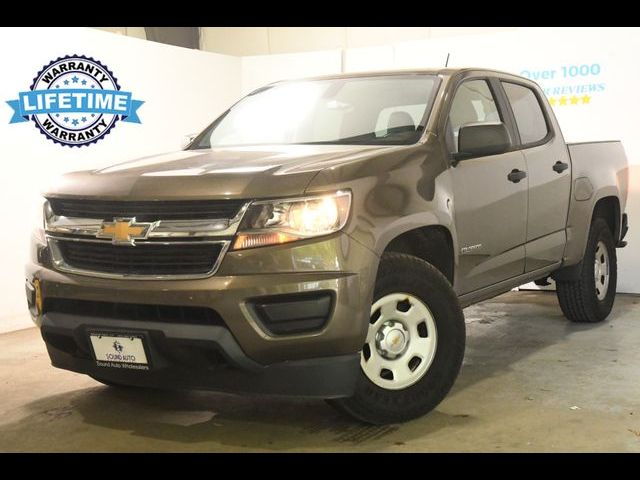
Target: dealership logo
[75, 101]
[117, 346]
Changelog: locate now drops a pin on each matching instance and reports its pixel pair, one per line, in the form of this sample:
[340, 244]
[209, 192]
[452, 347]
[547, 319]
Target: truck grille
[185, 258]
[146, 211]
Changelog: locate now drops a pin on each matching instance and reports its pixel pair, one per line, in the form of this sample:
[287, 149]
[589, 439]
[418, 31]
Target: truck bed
[603, 158]
[598, 170]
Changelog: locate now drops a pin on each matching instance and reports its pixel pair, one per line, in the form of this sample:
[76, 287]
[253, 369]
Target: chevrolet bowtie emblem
[124, 231]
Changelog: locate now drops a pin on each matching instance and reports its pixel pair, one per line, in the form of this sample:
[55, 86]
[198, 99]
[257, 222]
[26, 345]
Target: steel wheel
[414, 343]
[601, 270]
[401, 342]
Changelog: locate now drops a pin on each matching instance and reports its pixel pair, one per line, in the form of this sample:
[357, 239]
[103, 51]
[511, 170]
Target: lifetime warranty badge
[75, 101]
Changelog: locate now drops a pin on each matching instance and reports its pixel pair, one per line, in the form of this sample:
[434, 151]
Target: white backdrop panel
[261, 70]
[369, 59]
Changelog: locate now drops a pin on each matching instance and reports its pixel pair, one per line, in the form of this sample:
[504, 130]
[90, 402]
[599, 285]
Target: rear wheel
[414, 346]
[590, 298]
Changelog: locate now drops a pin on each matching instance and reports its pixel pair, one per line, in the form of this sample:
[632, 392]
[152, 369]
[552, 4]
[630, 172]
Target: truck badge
[124, 231]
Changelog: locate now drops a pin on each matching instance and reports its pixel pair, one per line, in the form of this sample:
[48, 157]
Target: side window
[473, 103]
[528, 112]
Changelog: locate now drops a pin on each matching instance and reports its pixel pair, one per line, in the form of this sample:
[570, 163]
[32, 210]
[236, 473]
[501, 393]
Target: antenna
[446, 63]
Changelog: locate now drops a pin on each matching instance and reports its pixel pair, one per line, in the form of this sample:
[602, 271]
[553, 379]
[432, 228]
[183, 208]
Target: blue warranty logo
[75, 101]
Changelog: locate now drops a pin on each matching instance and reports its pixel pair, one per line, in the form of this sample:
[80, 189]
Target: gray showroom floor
[531, 381]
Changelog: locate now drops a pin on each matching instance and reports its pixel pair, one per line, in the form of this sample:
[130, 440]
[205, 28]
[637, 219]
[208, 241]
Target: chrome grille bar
[91, 227]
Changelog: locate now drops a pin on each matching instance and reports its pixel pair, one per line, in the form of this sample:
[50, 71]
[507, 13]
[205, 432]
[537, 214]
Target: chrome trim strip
[60, 264]
[91, 227]
[195, 228]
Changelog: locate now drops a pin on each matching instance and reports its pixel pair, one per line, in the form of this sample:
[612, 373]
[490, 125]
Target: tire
[583, 300]
[438, 345]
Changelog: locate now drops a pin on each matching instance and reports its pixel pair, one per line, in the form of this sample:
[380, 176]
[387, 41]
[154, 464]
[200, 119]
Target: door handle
[560, 166]
[516, 175]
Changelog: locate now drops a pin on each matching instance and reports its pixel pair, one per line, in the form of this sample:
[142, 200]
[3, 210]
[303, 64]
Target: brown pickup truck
[321, 237]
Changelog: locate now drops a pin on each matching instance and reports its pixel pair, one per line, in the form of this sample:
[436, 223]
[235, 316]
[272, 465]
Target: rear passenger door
[490, 211]
[549, 169]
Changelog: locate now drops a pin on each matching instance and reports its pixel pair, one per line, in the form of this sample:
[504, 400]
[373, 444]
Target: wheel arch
[608, 207]
[432, 243]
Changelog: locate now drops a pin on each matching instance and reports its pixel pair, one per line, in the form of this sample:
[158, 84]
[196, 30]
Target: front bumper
[241, 355]
[196, 356]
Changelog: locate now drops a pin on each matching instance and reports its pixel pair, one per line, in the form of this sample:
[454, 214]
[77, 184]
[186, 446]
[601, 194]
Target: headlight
[280, 221]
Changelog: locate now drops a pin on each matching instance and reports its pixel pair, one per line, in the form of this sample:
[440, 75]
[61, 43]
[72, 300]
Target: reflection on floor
[531, 381]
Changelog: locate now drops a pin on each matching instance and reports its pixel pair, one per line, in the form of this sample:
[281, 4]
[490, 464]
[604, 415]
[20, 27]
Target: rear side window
[528, 112]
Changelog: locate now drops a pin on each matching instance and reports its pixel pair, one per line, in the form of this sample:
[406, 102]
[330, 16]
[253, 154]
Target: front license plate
[119, 351]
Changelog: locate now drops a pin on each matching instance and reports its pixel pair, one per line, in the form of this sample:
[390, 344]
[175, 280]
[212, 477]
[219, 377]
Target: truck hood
[236, 172]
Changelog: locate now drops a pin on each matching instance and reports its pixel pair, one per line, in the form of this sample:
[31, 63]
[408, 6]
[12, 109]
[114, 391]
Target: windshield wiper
[393, 138]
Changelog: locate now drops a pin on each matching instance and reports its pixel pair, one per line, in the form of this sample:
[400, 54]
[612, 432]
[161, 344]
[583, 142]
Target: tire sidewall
[601, 233]
[399, 274]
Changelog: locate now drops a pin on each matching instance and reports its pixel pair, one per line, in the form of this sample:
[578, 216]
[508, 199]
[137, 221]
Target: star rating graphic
[564, 101]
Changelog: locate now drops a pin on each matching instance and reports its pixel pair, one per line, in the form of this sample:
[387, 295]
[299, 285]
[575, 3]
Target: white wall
[263, 69]
[249, 41]
[611, 114]
[183, 90]
[135, 32]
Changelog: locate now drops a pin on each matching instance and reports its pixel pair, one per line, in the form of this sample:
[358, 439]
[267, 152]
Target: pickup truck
[322, 236]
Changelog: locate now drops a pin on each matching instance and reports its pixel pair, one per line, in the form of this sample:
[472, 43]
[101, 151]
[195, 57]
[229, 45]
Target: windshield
[382, 110]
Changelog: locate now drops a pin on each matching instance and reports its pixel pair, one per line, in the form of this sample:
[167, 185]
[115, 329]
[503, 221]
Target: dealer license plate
[119, 351]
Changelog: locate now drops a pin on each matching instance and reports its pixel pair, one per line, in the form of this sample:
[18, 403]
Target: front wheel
[589, 298]
[414, 345]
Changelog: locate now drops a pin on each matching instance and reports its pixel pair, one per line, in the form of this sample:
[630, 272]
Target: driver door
[490, 210]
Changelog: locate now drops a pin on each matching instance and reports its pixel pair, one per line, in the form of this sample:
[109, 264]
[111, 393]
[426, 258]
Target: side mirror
[187, 139]
[480, 139]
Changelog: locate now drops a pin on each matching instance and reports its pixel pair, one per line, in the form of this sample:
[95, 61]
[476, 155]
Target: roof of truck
[432, 71]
